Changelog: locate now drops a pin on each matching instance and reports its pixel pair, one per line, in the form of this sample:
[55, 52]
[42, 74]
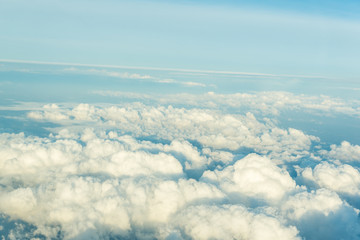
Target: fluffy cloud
[268, 103]
[48, 115]
[232, 222]
[150, 171]
[22, 157]
[253, 176]
[346, 152]
[94, 206]
[322, 214]
[94, 184]
[208, 127]
[340, 178]
[82, 206]
[193, 159]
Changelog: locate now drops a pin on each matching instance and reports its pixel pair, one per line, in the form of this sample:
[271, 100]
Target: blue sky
[301, 37]
[179, 120]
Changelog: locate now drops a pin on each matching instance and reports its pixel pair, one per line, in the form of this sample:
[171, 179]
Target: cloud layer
[141, 171]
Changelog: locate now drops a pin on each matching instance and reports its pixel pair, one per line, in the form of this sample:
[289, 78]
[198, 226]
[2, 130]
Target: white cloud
[51, 113]
[79, 205]
[345, 152]
[47, 116]
[232, 222]
[153, 171]
[22, 157]
[18, 203]
[190, 71]
[97, 202]
[51, 106]
[105, 72]
[322, 201]
[193, 158]
[127, 163]
[193, 84]
[209, 127]
[270, 103]
[92, 184]
[185, 83]
[253, 176]
[342, 179]
[127, 75]
[322, 214]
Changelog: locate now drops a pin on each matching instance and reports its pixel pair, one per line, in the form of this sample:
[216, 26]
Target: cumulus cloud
[99, 184]
[232, 222]
[339, 178]
[96, 189]
[269, 103]
[322, 214]
[253, 176]
[22, 157]
[50, 115]
[139, 171]
[346, 152]
[82, 206]
[209, 127]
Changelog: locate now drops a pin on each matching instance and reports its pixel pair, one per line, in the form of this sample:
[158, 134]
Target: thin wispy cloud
[103, 72]
[195, 71]
[126, 75]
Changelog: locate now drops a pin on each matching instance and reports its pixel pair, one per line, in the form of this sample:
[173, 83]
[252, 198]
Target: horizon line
[158, 69]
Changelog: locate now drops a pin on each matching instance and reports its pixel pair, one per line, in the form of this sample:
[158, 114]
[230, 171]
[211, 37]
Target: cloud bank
[139, 171]
[268, 103]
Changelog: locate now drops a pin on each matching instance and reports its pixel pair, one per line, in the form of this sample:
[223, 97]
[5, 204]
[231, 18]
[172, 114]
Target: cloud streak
[158, 69]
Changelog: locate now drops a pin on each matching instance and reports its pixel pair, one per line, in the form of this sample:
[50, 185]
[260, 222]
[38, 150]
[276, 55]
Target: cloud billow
[143, 171]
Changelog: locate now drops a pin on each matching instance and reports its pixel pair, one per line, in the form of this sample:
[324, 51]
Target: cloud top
[166, 172]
